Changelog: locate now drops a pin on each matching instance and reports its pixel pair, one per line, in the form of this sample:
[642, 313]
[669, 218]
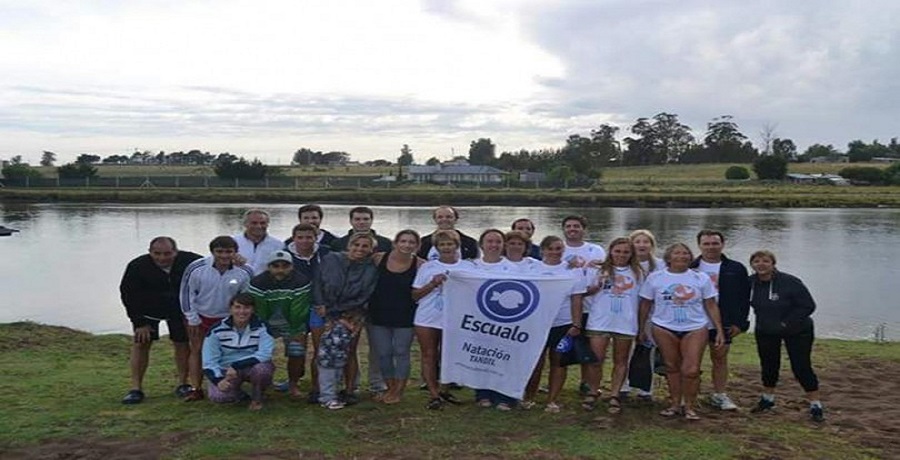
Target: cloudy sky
[265, 77]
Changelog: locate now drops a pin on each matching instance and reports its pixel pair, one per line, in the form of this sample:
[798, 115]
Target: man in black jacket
[361, 219]
[149, 291]
[732, 282]
[445, 218]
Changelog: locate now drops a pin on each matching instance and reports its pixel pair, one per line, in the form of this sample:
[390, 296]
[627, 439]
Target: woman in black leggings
[783, 306]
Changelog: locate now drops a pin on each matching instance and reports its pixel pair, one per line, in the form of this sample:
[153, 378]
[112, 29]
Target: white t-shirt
[678, 299]
[587, 252]
[502, 266]
[615, 307]
[711, 270]
[526, 265]
[257, 254]
[579, 286]
[430, 312]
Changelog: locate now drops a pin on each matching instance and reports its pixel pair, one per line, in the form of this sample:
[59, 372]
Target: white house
[456, 173]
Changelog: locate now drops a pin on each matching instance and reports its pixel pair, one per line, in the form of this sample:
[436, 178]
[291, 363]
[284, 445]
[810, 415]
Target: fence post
[57, 181]
[236, 183]
[87, 181]
[267, 182]
[27, 182]
[177, 181]
[296, 183]
[117, 181]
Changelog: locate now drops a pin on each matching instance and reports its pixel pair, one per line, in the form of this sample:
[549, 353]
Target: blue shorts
[315, 321]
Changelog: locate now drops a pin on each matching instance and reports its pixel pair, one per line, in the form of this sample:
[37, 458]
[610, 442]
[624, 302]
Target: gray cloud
[824, 71]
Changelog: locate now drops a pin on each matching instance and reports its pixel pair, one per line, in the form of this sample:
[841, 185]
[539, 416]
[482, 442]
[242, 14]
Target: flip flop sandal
[670, 412]
[484, 403]
[615, 406]
[446, 396]
[435, 404]
[589, 403]
[691, 416]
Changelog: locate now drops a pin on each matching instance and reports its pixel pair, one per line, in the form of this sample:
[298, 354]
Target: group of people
[225, 311]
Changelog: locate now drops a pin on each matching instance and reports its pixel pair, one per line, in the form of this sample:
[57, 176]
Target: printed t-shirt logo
[679, 295]
[507, 301]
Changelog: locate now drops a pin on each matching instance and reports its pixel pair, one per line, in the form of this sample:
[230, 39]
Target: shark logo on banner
[495, 329]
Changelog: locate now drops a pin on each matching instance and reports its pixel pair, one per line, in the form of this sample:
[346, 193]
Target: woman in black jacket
[783, 306]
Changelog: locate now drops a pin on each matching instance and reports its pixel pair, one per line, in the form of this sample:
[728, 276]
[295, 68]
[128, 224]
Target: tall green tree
[406, 156]
[87, 158]
[482, 152]
[724, 143]
[662, 139]
[48, 158]
[433, 161]
[818, 150]
[784, 148]
[306, 157]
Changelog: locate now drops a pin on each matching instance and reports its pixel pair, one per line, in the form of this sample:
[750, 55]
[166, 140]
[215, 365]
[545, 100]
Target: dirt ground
[859, 396]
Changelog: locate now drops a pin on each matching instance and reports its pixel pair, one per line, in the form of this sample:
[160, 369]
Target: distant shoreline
[629, 197]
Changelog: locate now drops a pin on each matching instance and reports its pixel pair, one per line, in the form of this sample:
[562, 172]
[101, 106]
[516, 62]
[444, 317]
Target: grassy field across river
[640, 186]
[61, 391]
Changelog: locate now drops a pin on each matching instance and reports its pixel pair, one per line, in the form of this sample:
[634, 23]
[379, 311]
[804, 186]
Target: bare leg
[599, 345]
[621, 354]
[182, 356]
[557, 377]
[692, 347]
[195, 364]
[429, 338]
[535, 381]
[670, 348]
[140, 359]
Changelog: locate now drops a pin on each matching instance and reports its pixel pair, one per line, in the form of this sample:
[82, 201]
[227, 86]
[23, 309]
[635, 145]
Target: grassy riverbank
[622, 195]
[61, 391]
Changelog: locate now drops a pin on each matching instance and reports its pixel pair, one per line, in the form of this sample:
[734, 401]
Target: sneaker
[133, 397]
[282, 387]
[722, 402]
[334, 405]
[503, 407]
[763, 405]
[817, 414]
[182, 390]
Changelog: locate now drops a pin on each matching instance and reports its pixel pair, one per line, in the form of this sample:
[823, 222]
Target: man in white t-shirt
[255, 244]
[733, 286]
[579, 253]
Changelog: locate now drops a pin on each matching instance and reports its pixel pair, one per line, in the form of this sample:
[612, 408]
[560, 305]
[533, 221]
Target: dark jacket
[326, 240]
[734, 293]
[535, 252]
[467, 245]
[147, 290]
[342, 285]
[307, 267]
[383, 244]
[787, 310]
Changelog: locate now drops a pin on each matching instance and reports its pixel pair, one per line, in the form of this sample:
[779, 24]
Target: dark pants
[799, 349]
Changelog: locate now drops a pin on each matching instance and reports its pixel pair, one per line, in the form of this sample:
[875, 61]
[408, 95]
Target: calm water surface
[65, 265]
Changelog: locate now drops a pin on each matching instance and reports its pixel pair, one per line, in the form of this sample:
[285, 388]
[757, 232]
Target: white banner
[495, 328]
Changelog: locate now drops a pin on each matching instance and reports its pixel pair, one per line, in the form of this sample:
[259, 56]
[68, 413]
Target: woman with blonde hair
[645, 355]
[613, 317]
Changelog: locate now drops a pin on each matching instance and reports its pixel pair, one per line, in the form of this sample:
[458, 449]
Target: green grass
[60, 384]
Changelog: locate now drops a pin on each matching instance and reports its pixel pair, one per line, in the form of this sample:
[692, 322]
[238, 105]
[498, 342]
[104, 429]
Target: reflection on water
[65, 265]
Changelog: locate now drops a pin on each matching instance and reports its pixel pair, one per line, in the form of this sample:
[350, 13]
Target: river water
[65, 265]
